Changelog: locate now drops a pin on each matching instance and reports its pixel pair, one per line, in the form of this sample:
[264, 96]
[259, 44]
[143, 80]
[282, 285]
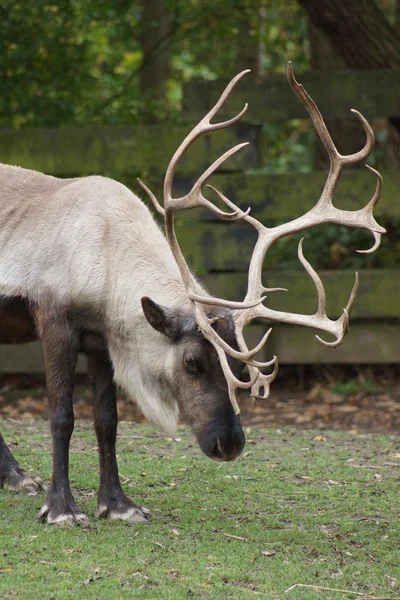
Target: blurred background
[111, 88]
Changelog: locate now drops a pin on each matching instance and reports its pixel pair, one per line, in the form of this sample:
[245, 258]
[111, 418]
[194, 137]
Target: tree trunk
[358, 31]
[394, 127]
[155, 45]
[362, 38]
[397, 24]
[347, 134]
[248, 54]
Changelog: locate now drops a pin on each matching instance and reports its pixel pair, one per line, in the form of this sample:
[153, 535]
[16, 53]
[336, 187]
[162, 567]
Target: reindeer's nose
[228, 445]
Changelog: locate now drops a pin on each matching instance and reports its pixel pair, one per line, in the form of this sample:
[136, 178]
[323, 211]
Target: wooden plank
[373, 93]
[286, 196]
[109, 150]
[377, 297]
[216, 247]
[366, 343]
[28, 358]
[229, 246]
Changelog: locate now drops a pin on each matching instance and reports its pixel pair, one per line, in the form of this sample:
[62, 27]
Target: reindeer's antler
[323, 212]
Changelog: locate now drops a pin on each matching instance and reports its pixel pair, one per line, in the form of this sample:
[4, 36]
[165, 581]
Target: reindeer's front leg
[60, 348]
[112, 501]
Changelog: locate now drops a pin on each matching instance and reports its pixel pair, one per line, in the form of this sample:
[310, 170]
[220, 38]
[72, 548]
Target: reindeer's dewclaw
[21, 482]
[66, 518]
[135, 515]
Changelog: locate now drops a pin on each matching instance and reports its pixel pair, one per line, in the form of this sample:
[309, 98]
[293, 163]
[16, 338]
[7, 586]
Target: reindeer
[85, 268]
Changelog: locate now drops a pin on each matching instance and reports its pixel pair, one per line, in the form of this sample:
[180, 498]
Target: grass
[297, 507]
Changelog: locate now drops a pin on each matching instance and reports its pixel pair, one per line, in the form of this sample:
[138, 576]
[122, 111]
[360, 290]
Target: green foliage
[60, 62]
[295, 508]
[335, 247]
[207, 40]
[348, 388]
[78, 62]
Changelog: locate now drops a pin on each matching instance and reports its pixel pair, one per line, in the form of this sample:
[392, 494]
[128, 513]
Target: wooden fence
[219, 251]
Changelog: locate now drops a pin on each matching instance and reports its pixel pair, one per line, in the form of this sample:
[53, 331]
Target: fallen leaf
[335, 573]
[235, 537]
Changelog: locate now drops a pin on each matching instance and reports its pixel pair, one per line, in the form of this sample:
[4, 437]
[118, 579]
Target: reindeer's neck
[140, 263]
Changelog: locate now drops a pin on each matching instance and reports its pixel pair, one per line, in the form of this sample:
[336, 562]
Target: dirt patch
[344, 398]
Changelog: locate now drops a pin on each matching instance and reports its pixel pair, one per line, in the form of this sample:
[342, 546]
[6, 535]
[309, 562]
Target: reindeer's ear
[161, 318]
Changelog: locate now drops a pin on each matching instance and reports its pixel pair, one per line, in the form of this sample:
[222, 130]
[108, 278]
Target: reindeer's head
[196, 378]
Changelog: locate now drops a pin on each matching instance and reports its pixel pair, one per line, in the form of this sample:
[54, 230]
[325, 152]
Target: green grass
[323, 512]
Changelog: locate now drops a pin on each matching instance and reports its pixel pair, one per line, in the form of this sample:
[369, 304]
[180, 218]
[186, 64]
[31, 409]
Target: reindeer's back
[76, 240]
[16, 182]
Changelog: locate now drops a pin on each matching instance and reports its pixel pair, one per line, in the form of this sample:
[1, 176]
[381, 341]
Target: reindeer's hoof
[21, 482]
[67, 518]
[135, 515]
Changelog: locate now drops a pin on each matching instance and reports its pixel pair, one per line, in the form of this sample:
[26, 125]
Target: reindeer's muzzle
[223, 444]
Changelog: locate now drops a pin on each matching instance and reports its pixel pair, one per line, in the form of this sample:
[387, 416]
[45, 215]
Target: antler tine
[209, 333]
[211, 301]
[344, 319]
[204, 126]
[195, 198]
[252, 364]
[353, 294]
[257, 379]
[152, 197]
[378, 190]
[262, 365]
[316, 279]
[207, 174]
[222, 99]
[377, 238]
[270, 290]
[322, 130]
[340, 337]
[264, 381]
[232, 381]
[368, 146]
[260, 380]
[241, 214]
[251, 353]
[314, 113]
[376, 232]
[256, 363]
[233, 216]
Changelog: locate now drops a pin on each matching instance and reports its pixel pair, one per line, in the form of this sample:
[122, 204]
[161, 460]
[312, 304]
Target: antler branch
[323, 212]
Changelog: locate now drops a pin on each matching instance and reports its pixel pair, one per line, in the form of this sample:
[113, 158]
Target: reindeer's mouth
[216, 453]
[219, 455]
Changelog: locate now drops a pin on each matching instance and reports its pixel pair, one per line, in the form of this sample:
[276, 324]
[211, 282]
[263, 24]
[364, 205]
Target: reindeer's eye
[190, 364]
